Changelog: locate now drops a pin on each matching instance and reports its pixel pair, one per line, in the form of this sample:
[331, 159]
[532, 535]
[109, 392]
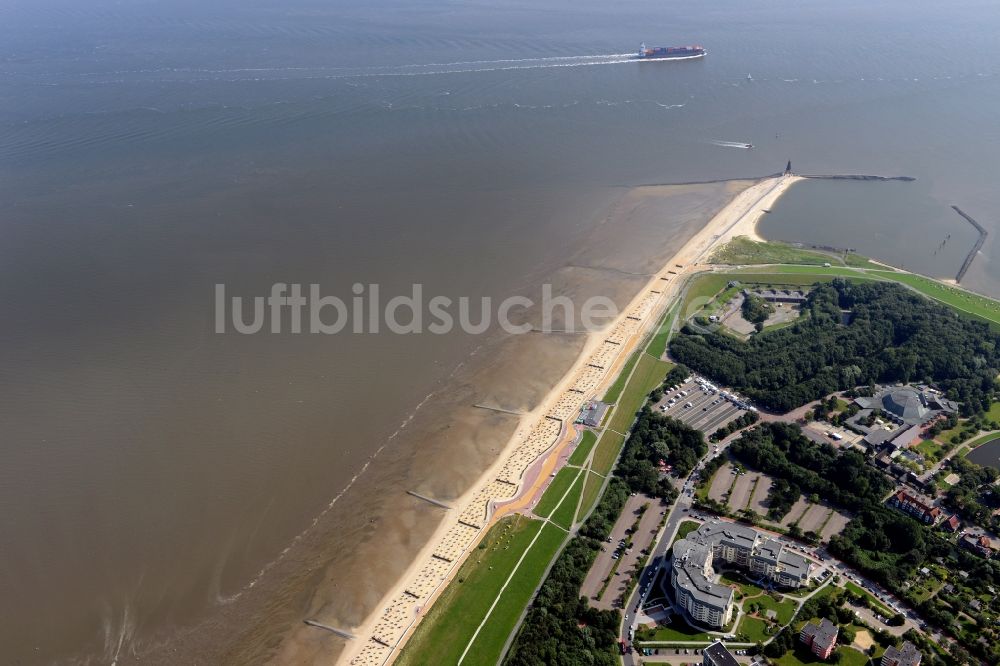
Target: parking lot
[641, 540]
[700, 406]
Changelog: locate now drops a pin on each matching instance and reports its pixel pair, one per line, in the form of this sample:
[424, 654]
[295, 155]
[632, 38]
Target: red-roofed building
[920, 508]
[951, 524]
[821, 638]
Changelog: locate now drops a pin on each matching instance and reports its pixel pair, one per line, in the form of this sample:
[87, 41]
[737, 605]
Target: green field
[929, 449]
[616, 389]
[487, 648]
[565, 514]
[753, 628]
[658, 344]
[607, 452]
[649, 373]
[964, 301]
[685, 528]
[747, 589]
[591, 493]
[582, 450]
[550, 498]
[443, 634]
[676, 632]
[784, 609]
[801, 656]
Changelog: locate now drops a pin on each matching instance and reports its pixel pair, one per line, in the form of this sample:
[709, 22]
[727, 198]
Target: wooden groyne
[430, 500]
[333, 630]
[975, 248]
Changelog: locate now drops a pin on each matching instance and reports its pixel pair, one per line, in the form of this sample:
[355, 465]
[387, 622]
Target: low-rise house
[906, 654]
[978, 543]
[820, 638]
[952, 524]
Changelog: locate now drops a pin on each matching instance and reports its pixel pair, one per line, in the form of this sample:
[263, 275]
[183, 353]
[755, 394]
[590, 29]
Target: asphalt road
[681, 510]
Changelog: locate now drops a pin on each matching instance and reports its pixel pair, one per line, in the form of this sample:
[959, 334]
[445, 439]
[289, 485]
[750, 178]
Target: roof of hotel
[719, 655]
[730, 533]
[794, 564]
[689, 563]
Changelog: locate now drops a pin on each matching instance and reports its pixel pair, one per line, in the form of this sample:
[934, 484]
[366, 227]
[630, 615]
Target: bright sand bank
[385, 631]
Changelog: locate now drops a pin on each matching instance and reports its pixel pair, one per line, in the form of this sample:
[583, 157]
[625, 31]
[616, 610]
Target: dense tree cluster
[654, 438]
[756, 310]
[894, 335]
[784, 494]
[843, 477]
[974, 497]
[744, 420]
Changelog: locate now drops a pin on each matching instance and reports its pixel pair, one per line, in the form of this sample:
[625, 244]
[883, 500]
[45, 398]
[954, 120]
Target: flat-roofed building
[906, 654]
[717, 654]
[695, 556]
[821, 638]
[705, 601]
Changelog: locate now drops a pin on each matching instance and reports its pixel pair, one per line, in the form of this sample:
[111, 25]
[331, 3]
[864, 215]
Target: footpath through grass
[616, 389]
[488, 644]
[550, 498]
[647, 375]
[566, 513]
[442, 635]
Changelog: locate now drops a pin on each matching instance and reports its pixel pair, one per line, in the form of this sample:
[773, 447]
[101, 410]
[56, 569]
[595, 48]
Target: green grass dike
[452, 623]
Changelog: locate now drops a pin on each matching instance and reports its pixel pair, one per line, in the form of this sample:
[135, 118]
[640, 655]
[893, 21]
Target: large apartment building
[695, 558]
[821, 638]
[906, 654]
[920, 507]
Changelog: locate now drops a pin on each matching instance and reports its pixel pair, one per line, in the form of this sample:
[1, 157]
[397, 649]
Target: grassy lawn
[701, 291]
[742, 250]
[979, 441]
[564, 515]
[607, 452]
[878, 606]
[747, 589]
[591, 493]
[800, 656]
[678, 632]
[455, 615]
[649, 373]
[754, 629]
[685, 528]
[784, 609]
[929, 449]
[488, 645]
[658, 344]
[619, 385]
[552, 495]
[582, 450]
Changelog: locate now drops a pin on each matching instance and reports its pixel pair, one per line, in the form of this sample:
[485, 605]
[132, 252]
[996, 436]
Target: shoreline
[541, 434]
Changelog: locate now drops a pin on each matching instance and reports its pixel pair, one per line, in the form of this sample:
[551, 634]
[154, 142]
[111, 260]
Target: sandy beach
[534, 451]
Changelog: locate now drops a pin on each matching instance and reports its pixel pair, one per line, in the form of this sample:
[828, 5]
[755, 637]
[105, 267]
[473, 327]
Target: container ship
[669, 52]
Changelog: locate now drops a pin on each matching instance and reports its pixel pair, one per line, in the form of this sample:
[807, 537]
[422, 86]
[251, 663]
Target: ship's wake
[731, 144]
